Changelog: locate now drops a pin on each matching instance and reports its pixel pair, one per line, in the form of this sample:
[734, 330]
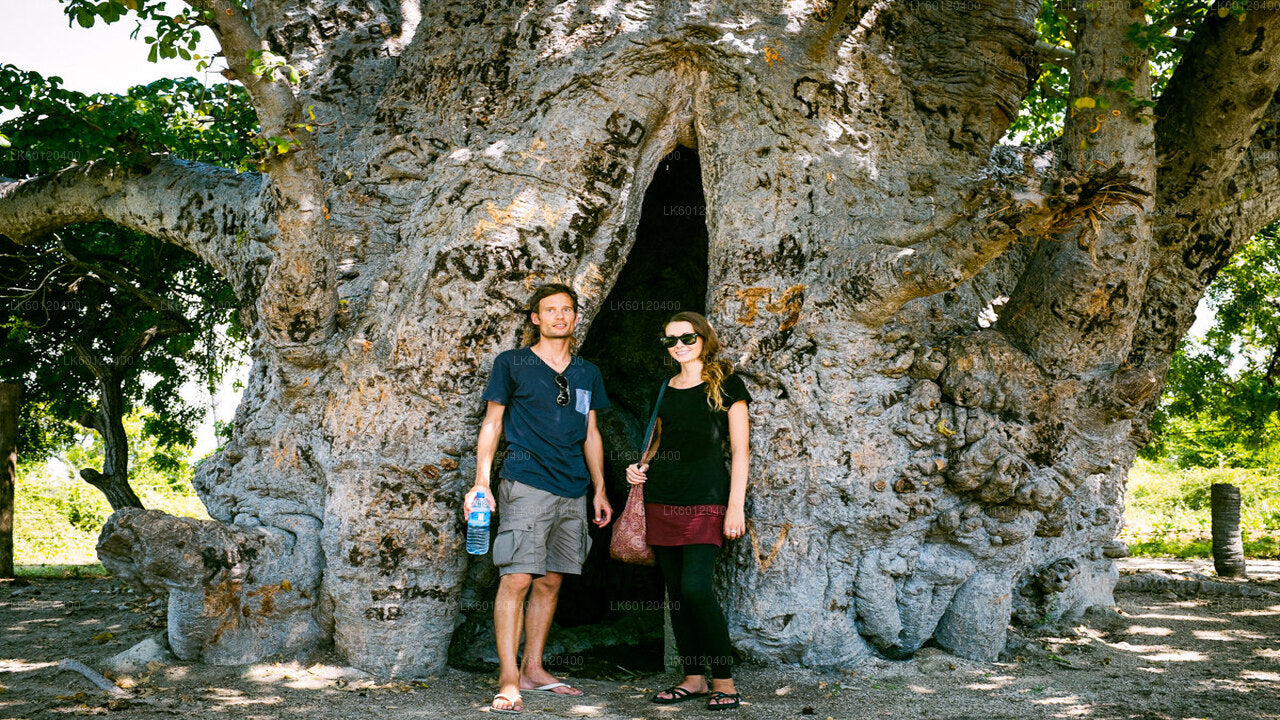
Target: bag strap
[653, 420]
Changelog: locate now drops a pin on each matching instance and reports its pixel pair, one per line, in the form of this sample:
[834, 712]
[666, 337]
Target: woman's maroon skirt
[684, 524]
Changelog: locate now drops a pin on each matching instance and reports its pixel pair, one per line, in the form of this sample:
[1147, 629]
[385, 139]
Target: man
[554, 451]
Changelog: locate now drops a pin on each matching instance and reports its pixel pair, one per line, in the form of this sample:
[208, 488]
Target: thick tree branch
[272, 97]
[967, 67]
[210, 211]
[298, 297]
[1075, 307]
[1015, 202]
[1193, 245]
[1215, 101]
[347, 52]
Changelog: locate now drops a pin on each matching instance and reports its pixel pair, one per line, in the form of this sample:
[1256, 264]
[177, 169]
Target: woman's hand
[735, 523]
[637, 473]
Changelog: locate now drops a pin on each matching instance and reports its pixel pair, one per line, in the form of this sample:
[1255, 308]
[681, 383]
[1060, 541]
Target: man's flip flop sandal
[550, 689]
[678, 695]
[516, 708]
[712, 703]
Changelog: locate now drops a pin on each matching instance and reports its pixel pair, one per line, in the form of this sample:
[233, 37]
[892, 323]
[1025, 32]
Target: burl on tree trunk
[918, 471]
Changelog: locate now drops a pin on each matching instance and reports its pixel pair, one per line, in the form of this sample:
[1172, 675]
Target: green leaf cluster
[1223, 393]
[59, 127]
[1167, 28]
[48, 301]
[177, 35]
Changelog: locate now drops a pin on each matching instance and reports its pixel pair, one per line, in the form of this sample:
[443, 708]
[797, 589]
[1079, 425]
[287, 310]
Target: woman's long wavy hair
[714, 369]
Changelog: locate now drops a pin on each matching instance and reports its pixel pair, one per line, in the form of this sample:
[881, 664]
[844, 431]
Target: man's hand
[604, 512]
[471, 496]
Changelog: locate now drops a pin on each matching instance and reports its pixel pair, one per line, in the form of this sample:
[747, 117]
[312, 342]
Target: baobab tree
[916, 474]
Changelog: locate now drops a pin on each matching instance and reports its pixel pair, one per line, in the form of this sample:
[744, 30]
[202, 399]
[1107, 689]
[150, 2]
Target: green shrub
[1167, 510]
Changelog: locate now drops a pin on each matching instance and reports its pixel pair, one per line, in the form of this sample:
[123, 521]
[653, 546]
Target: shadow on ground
[1170, 650]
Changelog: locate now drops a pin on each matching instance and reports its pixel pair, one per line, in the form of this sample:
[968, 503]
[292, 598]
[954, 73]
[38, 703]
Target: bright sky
[34, 35]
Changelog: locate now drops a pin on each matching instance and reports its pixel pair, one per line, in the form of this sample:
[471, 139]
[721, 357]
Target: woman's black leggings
[702, 636]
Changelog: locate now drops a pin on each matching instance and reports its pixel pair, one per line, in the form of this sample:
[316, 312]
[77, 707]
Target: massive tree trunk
[919, 471]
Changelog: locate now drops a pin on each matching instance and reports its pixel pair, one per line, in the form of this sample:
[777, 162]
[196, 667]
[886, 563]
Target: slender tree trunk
[1228, 549]
[115, 487]
[9, 398]
[108, 421]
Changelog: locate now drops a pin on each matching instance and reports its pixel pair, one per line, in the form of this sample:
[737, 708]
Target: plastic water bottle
[478, 525]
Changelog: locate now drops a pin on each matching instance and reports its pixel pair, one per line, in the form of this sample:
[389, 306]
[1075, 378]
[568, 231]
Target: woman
[691, 501]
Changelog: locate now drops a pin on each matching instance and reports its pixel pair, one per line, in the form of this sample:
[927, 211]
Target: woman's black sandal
[717, 695]
[678, 695]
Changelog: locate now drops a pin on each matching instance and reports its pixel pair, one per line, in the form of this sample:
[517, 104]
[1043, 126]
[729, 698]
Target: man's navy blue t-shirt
[544, 440]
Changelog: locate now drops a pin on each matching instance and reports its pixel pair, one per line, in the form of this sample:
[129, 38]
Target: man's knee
[549, 583]
[515, 583]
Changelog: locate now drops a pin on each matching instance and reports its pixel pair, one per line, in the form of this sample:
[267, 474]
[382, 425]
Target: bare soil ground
[1172, 648]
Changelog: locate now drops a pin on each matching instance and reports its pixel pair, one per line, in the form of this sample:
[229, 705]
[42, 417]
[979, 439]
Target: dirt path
[1163, 654]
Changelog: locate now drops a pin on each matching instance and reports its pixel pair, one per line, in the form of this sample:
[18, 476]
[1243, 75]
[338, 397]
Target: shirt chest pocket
[583, 401]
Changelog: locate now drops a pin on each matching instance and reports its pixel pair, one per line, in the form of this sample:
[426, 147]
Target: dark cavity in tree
[665, 273]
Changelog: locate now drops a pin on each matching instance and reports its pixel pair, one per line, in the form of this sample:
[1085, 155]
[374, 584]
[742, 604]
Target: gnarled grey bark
[215, 213]
[917, 473]
[235, 594]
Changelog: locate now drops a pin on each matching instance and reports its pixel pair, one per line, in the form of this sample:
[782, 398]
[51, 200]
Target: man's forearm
[593, 450]
[486, 447]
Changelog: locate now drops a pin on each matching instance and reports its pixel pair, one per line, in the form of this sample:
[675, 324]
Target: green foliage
[59, 127]
[58, 516]
[1221, 401]
[1167, 510]
[61, 572]
[1263, 548]
[177, 34]
[1168, 27]
[1044, 108]
[92, 295]
[267, 64]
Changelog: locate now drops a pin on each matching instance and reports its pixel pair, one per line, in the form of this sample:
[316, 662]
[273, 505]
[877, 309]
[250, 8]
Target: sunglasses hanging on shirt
[562, 382]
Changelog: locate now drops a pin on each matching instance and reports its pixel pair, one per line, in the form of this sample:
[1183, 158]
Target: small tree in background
[99, 318]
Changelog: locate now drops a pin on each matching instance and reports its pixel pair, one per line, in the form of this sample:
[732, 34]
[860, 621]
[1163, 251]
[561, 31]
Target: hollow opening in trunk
[609, 620]
[665, 272]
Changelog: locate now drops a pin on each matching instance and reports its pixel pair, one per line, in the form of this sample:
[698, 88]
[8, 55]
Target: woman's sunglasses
[562, 382]
[669, 341]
